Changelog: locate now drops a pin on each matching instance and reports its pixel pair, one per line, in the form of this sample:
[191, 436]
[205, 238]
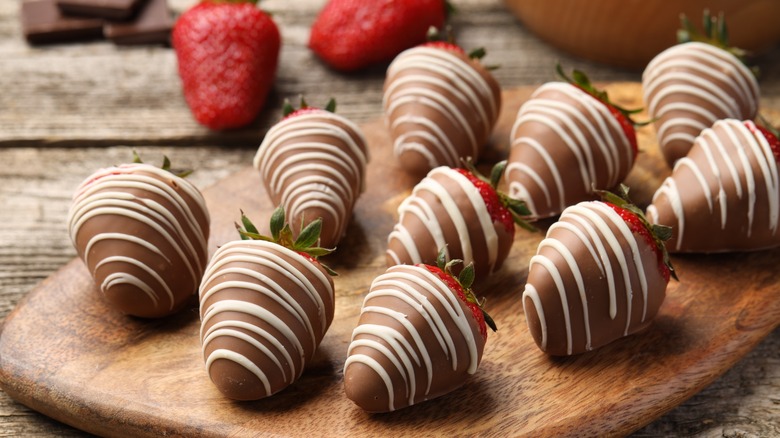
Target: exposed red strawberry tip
[771, 138]
[627, 125]
[637, 227]
[302, 111]
[456, 287]
[498, 212]
[581, 81]
[444, 45]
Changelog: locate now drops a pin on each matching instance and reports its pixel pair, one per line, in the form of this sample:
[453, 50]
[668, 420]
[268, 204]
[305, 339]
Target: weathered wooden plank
[99, 94]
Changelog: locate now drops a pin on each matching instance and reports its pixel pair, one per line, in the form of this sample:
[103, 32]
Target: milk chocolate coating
[264, 310]
[724, 195]
[445, 210]
[415, 341]
[689, 86]
[313, 164]
[565, 143]
[440, 106]
[591, 282]
[142, 233]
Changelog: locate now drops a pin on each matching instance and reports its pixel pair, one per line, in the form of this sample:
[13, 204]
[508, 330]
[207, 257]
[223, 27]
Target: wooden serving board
[65, 354]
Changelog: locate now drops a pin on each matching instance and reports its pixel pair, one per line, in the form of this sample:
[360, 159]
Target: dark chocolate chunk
[152, 25]
[42, 23]
[109, 9]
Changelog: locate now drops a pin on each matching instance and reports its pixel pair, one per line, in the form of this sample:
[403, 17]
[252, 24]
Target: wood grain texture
[64, 353]
[69, 109]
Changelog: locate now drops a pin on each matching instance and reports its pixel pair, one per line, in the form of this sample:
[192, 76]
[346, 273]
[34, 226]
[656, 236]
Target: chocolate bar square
[108, 9]
[43, 22]
[152, 25]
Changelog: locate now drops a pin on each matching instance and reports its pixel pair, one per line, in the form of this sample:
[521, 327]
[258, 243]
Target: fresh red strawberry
[567, 140]
[599, 275]
[712, 209]
[141, 231]
[227, 52]
[461, 211]
[353, 34]
[421, 333]
[265, 305]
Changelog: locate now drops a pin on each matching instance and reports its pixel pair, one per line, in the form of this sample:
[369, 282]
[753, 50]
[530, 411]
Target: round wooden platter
[65, 354]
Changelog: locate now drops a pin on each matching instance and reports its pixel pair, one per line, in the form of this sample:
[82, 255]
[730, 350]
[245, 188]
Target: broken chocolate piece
[152, 25]
[42, 23]
[109, 9]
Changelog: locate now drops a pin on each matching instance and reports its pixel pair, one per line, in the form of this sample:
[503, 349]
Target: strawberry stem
[288, 108]
[519, 209]
[580, 80]
[281, 234]
[715, 33]
[166, 165]
[465, 280]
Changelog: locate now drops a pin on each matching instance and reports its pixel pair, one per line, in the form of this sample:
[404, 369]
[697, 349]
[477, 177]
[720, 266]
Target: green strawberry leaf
[277, 222]
[309, 235]
[466, 277]
[488, 320]
[281, 234]
[497, 172]
[331, 105]
[248, 225]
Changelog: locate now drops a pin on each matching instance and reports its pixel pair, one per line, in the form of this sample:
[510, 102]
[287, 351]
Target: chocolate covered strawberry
[600, 274]
[460, 211]
[568, 139]
[725, 194]
[227, 52]
[265, 305]
[313, 164]
[354, 34]
[440, 105]
[420, 335]
[142, 232]
[695, 83]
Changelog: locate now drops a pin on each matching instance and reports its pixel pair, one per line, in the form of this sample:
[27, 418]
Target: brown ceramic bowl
[628, 33]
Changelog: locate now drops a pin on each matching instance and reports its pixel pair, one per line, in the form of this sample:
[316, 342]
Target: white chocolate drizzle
[444, 84]
[267, 271]
[592, 225]
[411, 348]
[314, 160]
[728, 162]
[577, 126]
[131, 192]
[689, 86]
[435, 183]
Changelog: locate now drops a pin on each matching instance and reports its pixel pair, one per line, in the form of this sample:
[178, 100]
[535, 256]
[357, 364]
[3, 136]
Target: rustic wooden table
[66, 110]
